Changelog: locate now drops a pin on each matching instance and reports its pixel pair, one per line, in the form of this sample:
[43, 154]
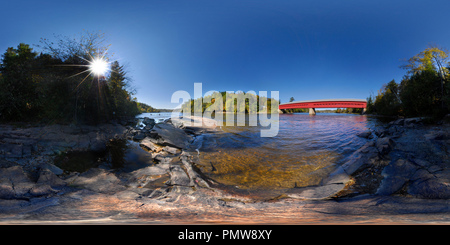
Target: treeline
[146, 108]
[349, 110]
[239, 102]
[423, 91]
[56, 84]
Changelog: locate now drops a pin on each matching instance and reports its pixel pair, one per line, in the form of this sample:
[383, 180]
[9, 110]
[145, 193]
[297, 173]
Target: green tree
[431, 59]
[117, 83]
[17, 88]
[420, 94]
[387, 102]
[370, 105]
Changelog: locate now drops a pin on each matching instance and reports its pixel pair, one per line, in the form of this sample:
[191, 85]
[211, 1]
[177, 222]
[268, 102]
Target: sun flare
[98, 66]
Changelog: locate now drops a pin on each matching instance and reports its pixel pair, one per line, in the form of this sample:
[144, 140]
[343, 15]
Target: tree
[420, 94]
[387, 102]
[370, 104]
[117, 83]
[17, 89]
[86, 45]
[431, 59]
[291, 99]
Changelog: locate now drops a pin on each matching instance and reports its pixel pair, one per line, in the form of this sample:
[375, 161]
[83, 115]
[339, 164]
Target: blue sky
[304, 49]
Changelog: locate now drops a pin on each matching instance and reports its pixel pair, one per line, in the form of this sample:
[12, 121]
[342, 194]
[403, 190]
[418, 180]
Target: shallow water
[306, 149]
[158, 116]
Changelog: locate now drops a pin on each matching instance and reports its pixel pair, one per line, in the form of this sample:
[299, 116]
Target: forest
[238, 102]
[55, 84]
[423, 91]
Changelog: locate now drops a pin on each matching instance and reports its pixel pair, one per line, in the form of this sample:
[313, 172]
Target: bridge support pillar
[282, 111]
[364, 111]
[312, 111]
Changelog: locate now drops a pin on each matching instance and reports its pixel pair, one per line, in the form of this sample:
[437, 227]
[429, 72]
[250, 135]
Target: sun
[98, 66]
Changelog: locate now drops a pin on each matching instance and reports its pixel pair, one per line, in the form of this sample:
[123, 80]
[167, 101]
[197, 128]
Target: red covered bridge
[329, 103]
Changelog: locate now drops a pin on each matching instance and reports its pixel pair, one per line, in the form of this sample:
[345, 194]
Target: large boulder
[149, 122]
[168, 135]
[396, 175]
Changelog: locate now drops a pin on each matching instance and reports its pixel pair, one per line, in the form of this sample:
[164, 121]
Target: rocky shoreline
[404, 163]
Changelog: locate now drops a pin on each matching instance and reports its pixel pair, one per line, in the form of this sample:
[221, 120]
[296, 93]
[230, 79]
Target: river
[306, 149]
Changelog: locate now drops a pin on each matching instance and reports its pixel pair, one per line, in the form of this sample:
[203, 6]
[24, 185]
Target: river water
[306, 149]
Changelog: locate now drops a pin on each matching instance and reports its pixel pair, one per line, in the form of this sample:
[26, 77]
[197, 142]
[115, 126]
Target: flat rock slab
[97, 180]
[169, 135]
[316, 192]
[14, 183]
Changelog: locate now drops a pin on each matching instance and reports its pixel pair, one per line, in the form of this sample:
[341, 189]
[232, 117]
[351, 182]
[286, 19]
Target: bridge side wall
[325, 104]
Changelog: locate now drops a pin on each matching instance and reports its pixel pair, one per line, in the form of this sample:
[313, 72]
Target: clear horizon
[307, 50]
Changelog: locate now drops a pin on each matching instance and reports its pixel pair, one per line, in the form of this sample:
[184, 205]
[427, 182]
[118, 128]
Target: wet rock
[149, 122]
[148, 144]
[139, 136]
[366, 134]
[171, 150]
[315, 193]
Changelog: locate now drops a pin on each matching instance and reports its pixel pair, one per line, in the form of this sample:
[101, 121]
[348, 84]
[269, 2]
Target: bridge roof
[325, 100]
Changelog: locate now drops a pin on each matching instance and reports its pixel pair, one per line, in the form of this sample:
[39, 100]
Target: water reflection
[305, 151]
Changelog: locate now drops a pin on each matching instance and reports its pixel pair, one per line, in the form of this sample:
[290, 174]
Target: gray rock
[56, 170]
[397, 122]
[148, 144]
[47, 177]
[384, 145]
[97, 145]
[149, 122]
[435, 136]
[42, 190]
[179, 177]
[411, 121]
[14, 183]
[400, 167]
[391, 185]
[379, 132]
[171, 150]
[315, 193]
[168, 135]
[357, 159]
[396, 175]
[97, 180]
[432, 188]
[139, 136]
[366, 134]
